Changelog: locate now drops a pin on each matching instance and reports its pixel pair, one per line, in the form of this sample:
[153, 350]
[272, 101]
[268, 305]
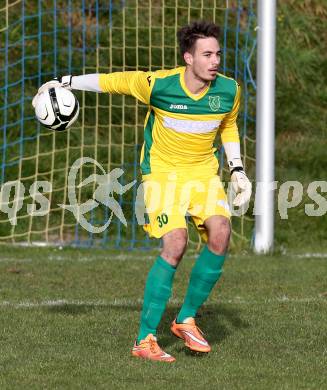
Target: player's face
[205, 60]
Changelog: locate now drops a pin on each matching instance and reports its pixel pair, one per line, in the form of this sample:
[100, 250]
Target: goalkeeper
[188, 106]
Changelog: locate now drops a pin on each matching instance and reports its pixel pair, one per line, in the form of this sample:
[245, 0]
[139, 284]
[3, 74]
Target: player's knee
[174, 246]
[218, 238]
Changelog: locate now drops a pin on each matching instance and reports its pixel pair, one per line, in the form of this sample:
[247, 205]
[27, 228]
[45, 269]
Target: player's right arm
[136, 83]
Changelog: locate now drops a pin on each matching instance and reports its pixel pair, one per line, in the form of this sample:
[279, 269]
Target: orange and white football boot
[191, 334]
[149, 349]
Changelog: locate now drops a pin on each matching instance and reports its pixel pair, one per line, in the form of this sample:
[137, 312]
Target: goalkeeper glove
[64, 82]
[241, 185]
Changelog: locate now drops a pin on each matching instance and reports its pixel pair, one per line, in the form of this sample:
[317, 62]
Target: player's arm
[231, 142]
[137, 83]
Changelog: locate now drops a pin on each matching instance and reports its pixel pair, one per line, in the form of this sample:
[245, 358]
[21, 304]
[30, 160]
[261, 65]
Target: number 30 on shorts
[162, 219]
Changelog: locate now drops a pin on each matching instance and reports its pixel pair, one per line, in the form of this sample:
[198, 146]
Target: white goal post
[265, 126]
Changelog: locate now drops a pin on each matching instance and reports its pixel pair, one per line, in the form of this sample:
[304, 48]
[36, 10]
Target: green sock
[205, 274]
[156, 295]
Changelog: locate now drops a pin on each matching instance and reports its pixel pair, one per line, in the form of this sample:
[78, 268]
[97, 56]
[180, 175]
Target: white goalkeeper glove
[64, 82]
[242, 186]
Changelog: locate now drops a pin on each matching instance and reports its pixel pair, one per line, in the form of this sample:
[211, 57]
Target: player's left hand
[242, 186]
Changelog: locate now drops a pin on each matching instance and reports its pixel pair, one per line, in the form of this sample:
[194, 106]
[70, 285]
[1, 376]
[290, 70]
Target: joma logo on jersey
[178, 107]
[214, 103]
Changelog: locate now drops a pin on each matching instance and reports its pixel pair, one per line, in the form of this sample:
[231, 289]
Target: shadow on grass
[84, 308]
[218, 321]
[74, 309]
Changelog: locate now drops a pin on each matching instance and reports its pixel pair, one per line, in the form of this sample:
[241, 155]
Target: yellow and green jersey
[180, 127]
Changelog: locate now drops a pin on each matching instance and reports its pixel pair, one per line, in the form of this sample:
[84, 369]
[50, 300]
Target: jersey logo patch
[214, 103]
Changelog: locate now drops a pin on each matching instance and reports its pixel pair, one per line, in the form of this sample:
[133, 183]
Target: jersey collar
[187, 91]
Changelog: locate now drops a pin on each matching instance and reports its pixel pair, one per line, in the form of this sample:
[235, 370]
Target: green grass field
[69, 318]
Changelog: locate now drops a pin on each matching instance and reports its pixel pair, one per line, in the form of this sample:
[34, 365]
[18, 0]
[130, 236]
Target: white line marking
[13, 259]
[131, 302]
[191, 255]
[315, 255]
[81, 259]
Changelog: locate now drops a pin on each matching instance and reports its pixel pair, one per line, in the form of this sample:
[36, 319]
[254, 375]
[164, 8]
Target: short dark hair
[188, 35]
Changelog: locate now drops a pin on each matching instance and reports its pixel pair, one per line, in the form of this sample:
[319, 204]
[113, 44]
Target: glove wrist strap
[234, 163]
[237, 169]
[66, 81]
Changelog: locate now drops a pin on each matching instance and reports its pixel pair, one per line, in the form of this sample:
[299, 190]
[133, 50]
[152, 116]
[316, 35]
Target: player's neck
[194, 84]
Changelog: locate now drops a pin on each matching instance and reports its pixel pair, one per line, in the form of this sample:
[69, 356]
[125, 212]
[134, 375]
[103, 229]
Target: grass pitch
[69, 318]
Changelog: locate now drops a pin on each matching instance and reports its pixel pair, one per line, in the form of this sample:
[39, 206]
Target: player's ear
[188, 58]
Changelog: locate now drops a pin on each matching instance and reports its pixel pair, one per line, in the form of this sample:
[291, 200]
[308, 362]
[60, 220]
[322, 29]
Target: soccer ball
[56, 108]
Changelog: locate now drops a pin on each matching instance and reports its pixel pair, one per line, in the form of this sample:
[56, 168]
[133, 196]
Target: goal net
[40, 40]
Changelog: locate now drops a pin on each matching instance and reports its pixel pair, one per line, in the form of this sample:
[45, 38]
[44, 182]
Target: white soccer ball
[56, 108]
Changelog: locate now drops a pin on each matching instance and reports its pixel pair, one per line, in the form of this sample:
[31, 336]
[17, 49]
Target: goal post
[265, 127]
